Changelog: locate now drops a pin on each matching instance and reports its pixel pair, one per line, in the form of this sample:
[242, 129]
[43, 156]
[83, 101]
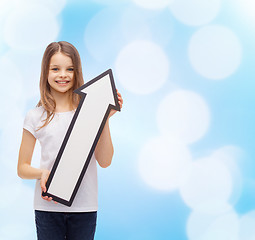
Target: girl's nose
[62, 73]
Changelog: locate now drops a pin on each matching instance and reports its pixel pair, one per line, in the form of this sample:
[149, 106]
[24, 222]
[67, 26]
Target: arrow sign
[98, 97]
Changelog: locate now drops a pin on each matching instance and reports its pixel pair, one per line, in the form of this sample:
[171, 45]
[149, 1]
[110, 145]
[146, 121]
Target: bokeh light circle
[202, 226]
[215, 52]
[195, 12]
[161, 162]
[230, 156]
[247, 223]
[140, 24]
[55, 6]
[102, 37]
[184, 115]
[10, 138]
[246, 8]
[152, 4]
[6, 6]
[142, 67]
[208, 186]
[110, 2]
[12, 90]
[30, 27]
[31, 74]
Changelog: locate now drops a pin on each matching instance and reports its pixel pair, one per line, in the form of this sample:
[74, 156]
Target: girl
[61, 74]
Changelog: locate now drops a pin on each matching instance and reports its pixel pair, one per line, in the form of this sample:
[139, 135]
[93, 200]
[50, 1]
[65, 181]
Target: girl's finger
[43, 187]
[120, 98]
[48, 199]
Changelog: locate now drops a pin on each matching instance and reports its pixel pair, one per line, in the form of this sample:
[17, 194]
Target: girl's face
[61, 73]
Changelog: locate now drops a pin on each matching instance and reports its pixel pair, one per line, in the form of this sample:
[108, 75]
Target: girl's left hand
[112, 112]
[44, 177]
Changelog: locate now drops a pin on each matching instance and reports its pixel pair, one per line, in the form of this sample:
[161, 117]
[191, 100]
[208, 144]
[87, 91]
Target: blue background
[135, 203]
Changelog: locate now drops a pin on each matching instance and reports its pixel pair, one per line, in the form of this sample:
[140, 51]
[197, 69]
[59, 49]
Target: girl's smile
[62, 83]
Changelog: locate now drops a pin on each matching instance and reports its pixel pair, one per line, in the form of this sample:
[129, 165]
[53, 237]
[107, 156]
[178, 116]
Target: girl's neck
[63, 101]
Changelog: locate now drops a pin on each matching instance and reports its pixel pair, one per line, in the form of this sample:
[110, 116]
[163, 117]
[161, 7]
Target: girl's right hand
[44, 178]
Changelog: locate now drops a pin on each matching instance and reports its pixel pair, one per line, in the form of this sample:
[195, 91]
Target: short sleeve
[29, 123]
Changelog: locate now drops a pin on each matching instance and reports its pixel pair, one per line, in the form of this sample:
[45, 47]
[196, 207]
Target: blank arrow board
[98, 97]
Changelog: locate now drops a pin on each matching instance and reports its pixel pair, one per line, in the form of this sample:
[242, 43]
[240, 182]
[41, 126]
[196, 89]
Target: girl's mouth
[61, 82]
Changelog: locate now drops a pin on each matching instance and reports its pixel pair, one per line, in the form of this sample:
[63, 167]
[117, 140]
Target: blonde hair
[47, 101]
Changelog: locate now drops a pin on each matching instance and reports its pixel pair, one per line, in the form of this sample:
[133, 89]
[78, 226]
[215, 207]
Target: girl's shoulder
[35, 113]
[33, 120]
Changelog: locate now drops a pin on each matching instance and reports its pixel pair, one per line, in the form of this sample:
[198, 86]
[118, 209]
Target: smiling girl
[61, 74]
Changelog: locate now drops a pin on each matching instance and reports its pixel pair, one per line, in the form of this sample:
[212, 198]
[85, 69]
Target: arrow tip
[106, 86]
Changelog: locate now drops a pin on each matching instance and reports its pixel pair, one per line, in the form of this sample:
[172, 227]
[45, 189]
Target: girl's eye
[54, 69]
[70, 69]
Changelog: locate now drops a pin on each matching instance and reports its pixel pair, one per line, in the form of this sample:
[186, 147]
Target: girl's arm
[104, 148]
[24, 169]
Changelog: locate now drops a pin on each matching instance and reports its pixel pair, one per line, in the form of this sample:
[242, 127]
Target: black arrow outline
[68, 133]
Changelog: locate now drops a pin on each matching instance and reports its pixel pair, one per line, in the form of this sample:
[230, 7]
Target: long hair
[47, 100]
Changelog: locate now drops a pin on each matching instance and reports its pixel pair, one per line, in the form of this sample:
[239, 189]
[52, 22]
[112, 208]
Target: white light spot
[184, 115]
[246, 8]
[230, 156]
[224, 227]
[161, 163]
[110, 2]
[195, 12]
[31, 74]
[103, 37]
[30, 27]
[142, 67]
[11, 138]
[140, 24]
[211, 227]
[6, 6]
[55, 6]
[12, 90]
[152, 4]
[247, 223]
[208, 186]
[215, 52]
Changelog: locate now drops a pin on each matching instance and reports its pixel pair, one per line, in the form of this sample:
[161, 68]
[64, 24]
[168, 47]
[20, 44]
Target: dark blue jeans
[65, 226]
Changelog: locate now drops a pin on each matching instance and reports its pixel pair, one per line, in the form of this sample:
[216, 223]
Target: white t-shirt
[51, 137]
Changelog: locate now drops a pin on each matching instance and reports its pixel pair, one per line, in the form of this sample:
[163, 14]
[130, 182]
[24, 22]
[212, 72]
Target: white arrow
[98, 98]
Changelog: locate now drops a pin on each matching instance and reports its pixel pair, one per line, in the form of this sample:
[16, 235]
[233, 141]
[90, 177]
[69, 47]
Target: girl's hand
[44, 178]
[112, 112]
